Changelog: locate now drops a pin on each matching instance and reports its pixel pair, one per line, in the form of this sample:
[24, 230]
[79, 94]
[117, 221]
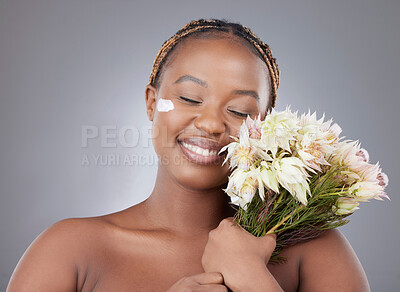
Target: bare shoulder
[54, 259]
[329, 261]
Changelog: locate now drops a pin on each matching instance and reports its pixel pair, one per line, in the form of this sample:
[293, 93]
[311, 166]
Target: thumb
[268, 244]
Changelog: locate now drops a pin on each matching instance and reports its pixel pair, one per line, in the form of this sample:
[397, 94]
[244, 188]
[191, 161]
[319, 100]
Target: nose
[211, 121]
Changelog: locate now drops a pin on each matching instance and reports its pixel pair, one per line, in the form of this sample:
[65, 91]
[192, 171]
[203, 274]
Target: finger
[268, 241]
[230, 221]
[215, 288]
[271, 236]
[209, 278]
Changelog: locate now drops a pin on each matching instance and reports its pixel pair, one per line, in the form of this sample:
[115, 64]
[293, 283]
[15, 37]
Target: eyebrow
[203, 83]
[251, 93]
[191, 78]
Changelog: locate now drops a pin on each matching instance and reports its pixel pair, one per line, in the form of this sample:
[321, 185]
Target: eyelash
[243, 115]
[189, 100]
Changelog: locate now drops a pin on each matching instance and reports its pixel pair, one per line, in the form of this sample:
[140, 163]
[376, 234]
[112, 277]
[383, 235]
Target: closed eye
[189, 100]
[244, 115]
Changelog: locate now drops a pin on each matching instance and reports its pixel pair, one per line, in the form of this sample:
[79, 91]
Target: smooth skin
[182, 237]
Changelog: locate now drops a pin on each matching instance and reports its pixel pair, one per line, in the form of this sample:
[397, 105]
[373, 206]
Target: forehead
[220, 59]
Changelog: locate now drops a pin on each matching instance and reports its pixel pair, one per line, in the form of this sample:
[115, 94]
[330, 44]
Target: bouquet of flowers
[296, 177]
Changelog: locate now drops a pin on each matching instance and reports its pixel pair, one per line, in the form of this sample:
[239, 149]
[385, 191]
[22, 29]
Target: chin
[193, 170]
[201, 178]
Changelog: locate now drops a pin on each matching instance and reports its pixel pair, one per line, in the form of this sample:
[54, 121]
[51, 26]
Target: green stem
[330, 194]
[284, 219]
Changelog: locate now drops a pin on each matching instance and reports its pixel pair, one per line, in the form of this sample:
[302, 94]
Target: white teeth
[199, 150]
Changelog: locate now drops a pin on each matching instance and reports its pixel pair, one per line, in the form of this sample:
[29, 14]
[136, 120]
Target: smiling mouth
[201, 151]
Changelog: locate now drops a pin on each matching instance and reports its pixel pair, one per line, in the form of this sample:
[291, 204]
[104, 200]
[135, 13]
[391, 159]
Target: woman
[206, 80]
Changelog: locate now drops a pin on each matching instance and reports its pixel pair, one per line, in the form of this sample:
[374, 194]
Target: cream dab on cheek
[164, 105]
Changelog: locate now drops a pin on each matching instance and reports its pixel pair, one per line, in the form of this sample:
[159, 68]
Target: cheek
[234, 129]
[166, 127]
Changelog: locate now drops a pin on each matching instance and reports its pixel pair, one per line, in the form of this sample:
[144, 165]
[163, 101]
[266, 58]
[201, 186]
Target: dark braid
[212, 27]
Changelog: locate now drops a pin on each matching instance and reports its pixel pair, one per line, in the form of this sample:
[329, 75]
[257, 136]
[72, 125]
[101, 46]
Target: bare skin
[182, 237]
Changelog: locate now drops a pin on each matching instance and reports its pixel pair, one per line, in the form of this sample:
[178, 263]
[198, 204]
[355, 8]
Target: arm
[212, 282]
[49, 264]
[329, 262]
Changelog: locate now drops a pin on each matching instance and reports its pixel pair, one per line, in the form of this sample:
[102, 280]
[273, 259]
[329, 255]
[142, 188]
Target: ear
[151, 99]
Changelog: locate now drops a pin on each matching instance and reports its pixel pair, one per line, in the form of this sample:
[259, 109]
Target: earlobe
[151, 98]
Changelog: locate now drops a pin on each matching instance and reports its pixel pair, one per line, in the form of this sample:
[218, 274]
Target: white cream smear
[164, 105]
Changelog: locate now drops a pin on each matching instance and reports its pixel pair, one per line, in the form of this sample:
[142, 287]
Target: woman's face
[213, 84]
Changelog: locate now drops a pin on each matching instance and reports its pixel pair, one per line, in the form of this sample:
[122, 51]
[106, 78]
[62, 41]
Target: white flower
[363, 153]
[254, 127]
[345, 206]
[346, 153]
[278, 129]
[242, 154]
[316, 140]
[367, 172]
[324, 129]
[292, 175]
[383, 179]
[364, 191]
[243, 185]
[283, 150]
[313, 156]
[268, 176]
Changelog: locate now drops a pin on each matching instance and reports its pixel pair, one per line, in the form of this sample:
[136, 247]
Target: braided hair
[213, 28]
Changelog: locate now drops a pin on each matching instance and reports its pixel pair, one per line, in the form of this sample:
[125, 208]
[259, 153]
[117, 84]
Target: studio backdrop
[75, 137]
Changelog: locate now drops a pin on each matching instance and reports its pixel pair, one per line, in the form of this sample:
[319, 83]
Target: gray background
[69, 64]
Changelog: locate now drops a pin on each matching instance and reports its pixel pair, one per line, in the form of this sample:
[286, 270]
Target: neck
[185, 210]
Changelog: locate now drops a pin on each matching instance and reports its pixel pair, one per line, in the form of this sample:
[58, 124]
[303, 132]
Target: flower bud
[363, 154]
[383, 179]
[346, 206]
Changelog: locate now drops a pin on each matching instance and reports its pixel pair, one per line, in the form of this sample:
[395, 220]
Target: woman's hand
[240, 257]
[200, 282]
